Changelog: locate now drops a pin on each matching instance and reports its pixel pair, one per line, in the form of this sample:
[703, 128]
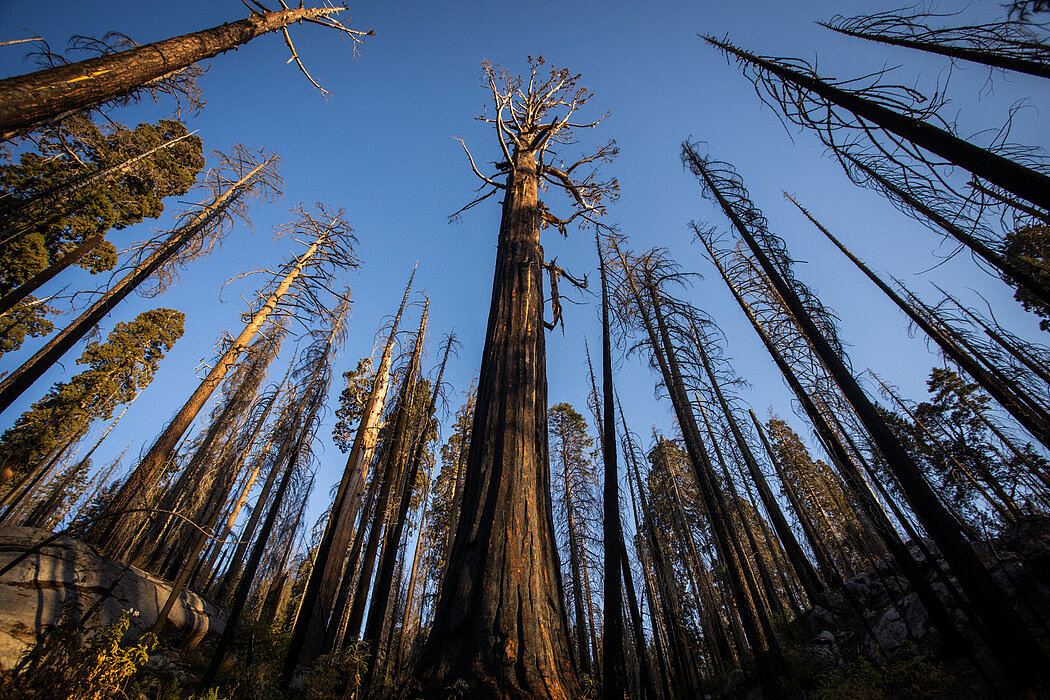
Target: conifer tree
[44, 232]
[193, 239]
[504, 546]
[573, 483]
[116, 371]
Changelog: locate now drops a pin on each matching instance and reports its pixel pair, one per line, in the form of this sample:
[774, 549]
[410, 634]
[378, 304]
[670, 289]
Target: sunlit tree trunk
[32, 100]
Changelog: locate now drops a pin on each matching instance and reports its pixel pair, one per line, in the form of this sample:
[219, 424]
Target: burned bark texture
[31, 100]
[500, 620]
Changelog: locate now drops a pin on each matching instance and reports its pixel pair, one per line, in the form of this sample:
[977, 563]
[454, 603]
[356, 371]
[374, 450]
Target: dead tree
[1008, 637]
[381, 588]
[641, 290]
[803, 568]
[203, 477]
[1009, 396]
[833, 110]
[1009, 45]
[319, 355]
[911, 201]
[613, 680]
[32, 100]
[504, 546]
[297, 287]
[395, 457]
[320, 592]
[197, 234]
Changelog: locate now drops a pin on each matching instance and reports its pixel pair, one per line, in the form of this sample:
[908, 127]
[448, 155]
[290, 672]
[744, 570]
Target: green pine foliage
[1029, 247]
[45, 234]
[116, 371]
[358, 387]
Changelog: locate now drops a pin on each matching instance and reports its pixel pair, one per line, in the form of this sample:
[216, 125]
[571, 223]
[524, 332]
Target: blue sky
[381, 146]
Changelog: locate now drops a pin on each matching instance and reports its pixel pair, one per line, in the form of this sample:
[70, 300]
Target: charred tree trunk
[1008, 636]
[381, 589]
[321, 588]
[807, 575]
[145, 475]
[396, 461]
[1013, 177]
[613, 681]
[32, 100]
[1006, 393]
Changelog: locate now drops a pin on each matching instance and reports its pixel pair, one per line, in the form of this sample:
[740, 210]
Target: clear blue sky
[380, 146]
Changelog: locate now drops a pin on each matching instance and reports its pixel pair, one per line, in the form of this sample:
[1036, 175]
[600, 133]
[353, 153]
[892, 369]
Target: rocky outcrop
[67, 574]
[877, 615]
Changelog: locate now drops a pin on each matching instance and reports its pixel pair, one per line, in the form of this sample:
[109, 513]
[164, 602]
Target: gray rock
[35, 591]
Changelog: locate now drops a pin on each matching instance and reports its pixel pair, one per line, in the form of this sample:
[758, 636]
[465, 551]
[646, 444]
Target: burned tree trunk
[1008, 636]
[321, 589]
[32, 100]
[114, 531]
[500, 622]
[1024, 182]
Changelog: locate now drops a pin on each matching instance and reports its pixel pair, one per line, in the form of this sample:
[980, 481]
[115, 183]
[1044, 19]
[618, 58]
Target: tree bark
[1013, 177]
[34, 99]
[150, 467]
[321, 588]
[1008, 636]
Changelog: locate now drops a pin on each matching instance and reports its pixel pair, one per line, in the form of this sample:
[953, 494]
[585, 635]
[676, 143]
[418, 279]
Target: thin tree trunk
[985, 58]
[807, 575]
[32, 369]
[381, 589]
[1008, 395]
[613, 681]
[1008, 636]
[150, 467]
[1013, 177]
[308, 635]
[395, 461]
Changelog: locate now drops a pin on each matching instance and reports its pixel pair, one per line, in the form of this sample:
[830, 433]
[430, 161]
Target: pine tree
[1029, 249]
[574, 482]
[117, 370]
[43, 234]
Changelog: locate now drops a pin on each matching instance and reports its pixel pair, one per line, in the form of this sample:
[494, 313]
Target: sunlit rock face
[65, 572]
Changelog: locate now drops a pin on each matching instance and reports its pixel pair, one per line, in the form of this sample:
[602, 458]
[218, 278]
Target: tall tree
[116, 371]
[50, 220]
[32, 100]
[321, 590]
[811, 101]
[1008, 636]
[407, 488]
[574, 481]
[297, 285]
[1009, 45]
[193, 238]
[504, 545]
